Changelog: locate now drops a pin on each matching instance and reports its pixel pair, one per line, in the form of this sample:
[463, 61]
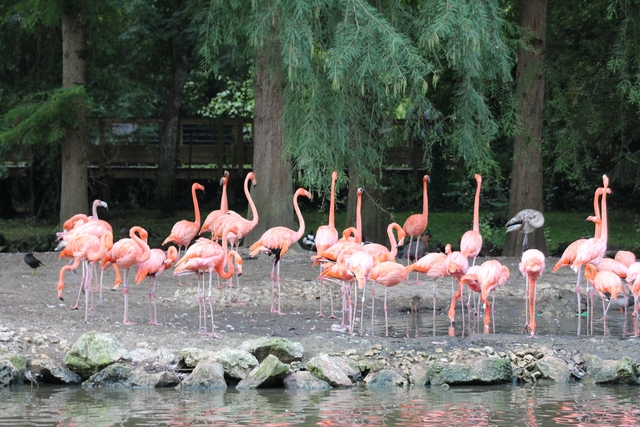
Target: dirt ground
[34, 322]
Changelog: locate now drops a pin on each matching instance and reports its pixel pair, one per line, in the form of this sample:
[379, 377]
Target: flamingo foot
[126, 322]
[155, 323]
[75, 307]
[320, 315]
[333, 316]
[241, 302]
[214, 335]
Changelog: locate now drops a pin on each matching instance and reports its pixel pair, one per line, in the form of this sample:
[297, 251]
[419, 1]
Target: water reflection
[428, 323]
[509, 405]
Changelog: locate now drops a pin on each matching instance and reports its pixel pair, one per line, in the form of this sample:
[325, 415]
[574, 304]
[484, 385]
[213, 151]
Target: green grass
[561, 228]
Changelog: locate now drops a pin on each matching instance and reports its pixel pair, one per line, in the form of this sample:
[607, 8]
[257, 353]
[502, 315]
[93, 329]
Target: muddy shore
[34, 323]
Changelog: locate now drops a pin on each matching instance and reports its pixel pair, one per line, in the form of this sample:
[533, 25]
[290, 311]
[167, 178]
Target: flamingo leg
[126, 298]
[213, 326]
[279, 290]
[153, 296]
[373, 303]
[386, 322]
[362, 310]
[87, 279]
[82, 284]
[321, 282]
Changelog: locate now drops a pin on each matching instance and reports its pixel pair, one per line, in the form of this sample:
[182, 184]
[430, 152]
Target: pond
[506, 405]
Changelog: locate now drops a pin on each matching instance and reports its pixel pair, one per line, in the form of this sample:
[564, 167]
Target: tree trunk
[526, 179]
[273, 194]
[74, 192]
[167, 164]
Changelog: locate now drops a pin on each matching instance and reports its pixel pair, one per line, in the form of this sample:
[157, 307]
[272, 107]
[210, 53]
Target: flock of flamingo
[346, 261]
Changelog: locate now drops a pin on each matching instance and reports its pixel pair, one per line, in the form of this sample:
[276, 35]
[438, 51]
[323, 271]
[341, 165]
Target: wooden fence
[128, 149]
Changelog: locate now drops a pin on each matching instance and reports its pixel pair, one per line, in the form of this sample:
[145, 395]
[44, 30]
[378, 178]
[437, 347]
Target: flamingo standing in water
[184, 231]
[277, 240]
[457, 265]
[471, 241]
[531, 266]
[416, 224]
[327, 236]
[380, 252]
[157, 263]
[604, 282]
[491, 275]
[387, 274]
[224, 207]
[126, 253]
[633, 282]
[432, 265]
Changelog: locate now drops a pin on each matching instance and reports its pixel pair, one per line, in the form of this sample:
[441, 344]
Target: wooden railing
[123, 150]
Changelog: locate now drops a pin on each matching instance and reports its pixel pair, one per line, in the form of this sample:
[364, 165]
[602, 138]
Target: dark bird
[33, 262]
[31, 376]
[527, 221]
[422, 243]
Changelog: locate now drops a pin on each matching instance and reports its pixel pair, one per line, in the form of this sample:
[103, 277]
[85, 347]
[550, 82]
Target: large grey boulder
[236, 363]
[208, 374]
[270, 373]
[8, 373]
[554, 368]
[117, 375]
[94, 351]
[600, 371]
[286, 351]
[191, 356]
[386, 378]
[52, 372]
[492, 370]
[304, 380]
[329, 369]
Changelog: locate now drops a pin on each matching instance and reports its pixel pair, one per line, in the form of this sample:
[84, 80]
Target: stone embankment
[98, 359]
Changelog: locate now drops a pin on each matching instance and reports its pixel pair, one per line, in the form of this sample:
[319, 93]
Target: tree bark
[273, 194]
[167, 164]
[74, 180]
[526, 178]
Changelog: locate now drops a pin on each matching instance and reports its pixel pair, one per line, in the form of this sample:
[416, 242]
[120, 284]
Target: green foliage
[43, 118]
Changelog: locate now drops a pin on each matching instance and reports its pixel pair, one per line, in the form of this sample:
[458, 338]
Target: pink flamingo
[633, 283]
[531, 266]
[157, 263]
[126, 253]
[357, 231]
[471, 242]
[416, 224]
[625, 257]
[433, 265]
[89, 249]
[326, 236]
[277, 240]
[184, 231]
[380, 252]
[224, 207]
[387, 274]
[604, 282]
[457, 265]
[492, 275]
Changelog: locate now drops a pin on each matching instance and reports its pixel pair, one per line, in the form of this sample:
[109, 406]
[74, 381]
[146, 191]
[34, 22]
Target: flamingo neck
[254, 211]
[196, 208]
[94, 209]
[332, 203]
[141, 243]
[228, 264]
[476, 209]
[603, 225]
[392, 238]
[598, 221]
[224, 203]
[359, 219]
[298, 235]
[425, 201]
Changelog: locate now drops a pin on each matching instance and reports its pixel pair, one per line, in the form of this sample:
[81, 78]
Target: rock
[327, 368]
[472, 371]
[143, 379]
[304, 380]
[269, 373]
[600, 371]
[286, 351]
[236, 363]
[93, 351]
[116, 375]
[208, 374]
[554, 369]
[8, 373]
[386, 379]
[191, 356]
[418, 375]
[148, 355]
[51, 372]
[350, 367]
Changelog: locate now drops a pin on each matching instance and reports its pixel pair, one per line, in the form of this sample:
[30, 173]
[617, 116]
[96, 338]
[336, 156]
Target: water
[506, 405]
